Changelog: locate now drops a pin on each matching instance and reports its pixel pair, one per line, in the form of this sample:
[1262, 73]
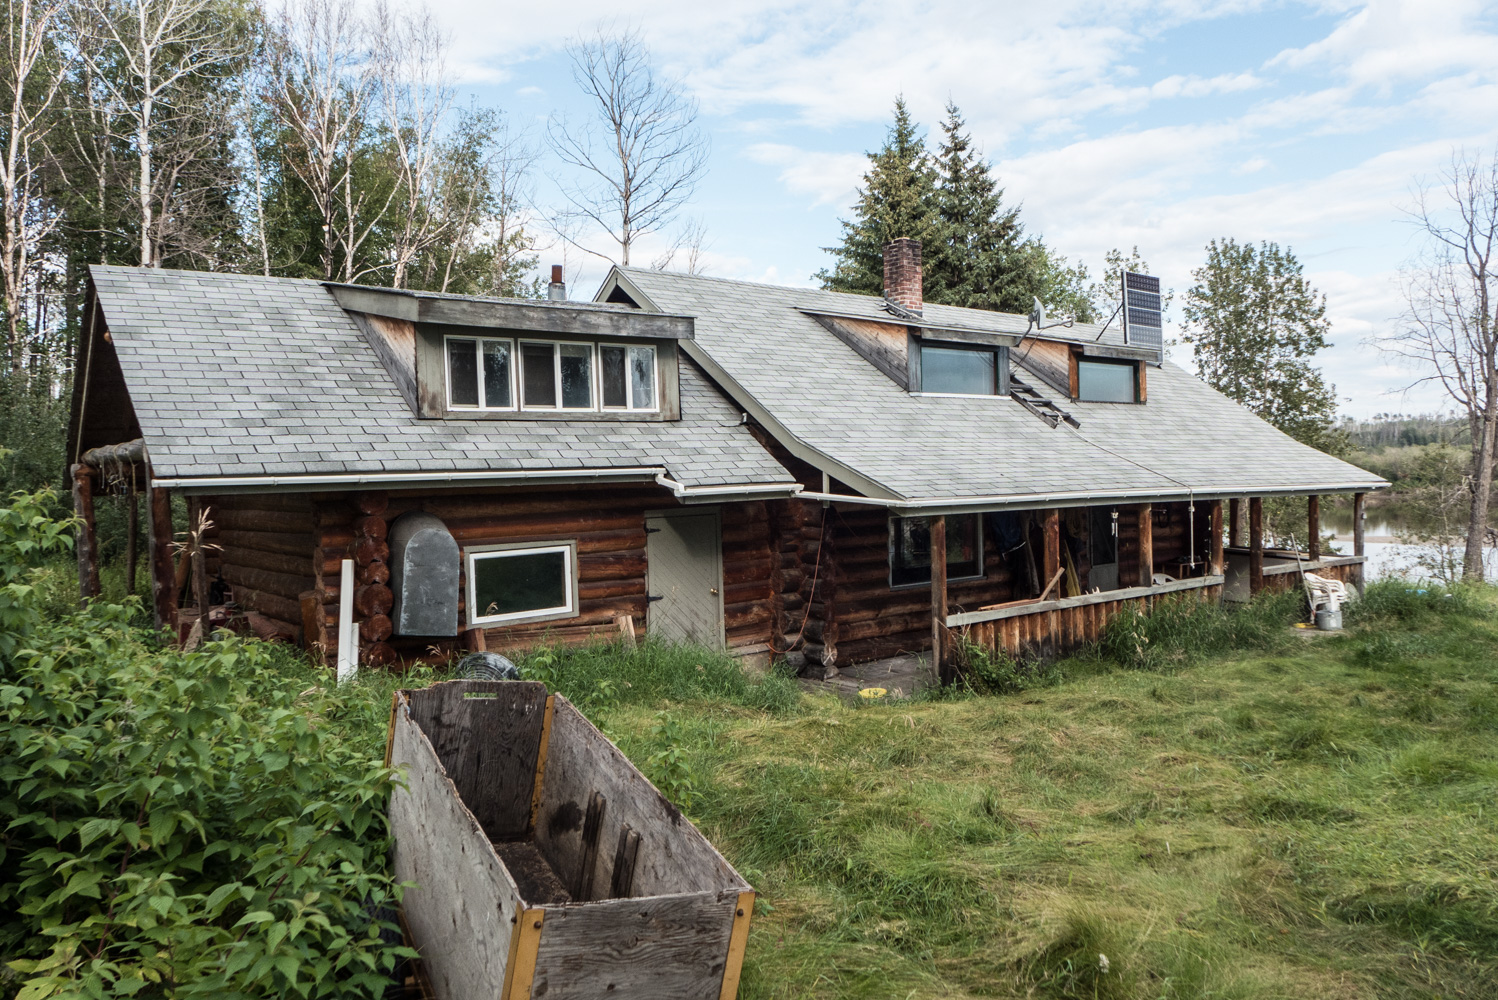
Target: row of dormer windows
[487, 373]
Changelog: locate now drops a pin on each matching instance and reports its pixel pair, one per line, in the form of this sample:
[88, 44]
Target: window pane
[912, 550]
[513, 583]
[497, 373]
[1101, 382]
[577, 376]
[949, 369]
[538, 371]
[611, 360]
[463, 372]
[642, 377]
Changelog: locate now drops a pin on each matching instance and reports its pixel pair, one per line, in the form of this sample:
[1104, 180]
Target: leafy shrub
[1403, 602]
[176, 824]
[669, 768]
[987, 671]
[1181, 631]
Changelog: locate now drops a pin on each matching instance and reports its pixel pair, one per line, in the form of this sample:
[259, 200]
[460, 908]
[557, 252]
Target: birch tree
[33, 75]
[1450, 328]
[641, 153]
[147, 54]
[320, 86]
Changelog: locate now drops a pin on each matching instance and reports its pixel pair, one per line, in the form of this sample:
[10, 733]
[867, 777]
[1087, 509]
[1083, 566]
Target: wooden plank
[1051, 535]
[1214, 557]
[464, 904]
[621, 885]
[1358, 541]
[86, 543]
[674, 856]
[541, 751]
[939, 597]
[488, 736]
[592, 823]
[163, 573]
[738, 943]
[671, 947]
[1235, 516]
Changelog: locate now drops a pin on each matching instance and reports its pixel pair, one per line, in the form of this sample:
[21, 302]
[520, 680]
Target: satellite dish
[1037, 317]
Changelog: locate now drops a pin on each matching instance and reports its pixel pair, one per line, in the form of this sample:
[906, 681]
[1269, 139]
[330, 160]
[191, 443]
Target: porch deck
[1281, 570]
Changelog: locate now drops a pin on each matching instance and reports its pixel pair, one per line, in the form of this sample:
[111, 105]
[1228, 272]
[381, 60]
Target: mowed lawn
[1315, 818]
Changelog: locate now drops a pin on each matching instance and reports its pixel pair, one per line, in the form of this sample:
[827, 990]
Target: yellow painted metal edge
[738, 941]
[551, 701]
[395, 703]
[520, 971]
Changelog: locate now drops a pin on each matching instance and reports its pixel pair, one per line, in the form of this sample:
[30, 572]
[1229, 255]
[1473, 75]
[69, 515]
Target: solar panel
[1143, 324]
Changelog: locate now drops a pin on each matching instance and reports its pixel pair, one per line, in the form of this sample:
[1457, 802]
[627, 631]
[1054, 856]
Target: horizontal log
[371, 526]
[263, 520]
[370, 501]
[611, 566]
[277, 562]
[290, 542]
[367, 550]
[375, 629]
[288, 585]
[291, 502]
[596, 590]
[377, 655]
[285, 609]
[373, 599]
[375, 572]
[568, 505]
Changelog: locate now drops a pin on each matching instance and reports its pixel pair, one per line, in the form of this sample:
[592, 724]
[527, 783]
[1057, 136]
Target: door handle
[713, 591]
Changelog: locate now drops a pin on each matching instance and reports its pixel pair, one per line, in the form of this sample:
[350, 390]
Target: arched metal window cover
[424, 565]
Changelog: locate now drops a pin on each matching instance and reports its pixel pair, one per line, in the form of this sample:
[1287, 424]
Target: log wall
[1048, 634]
[266, 552]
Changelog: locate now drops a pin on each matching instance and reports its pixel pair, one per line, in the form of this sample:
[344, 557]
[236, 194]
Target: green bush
[177, 824]
[1181, 631]
[986, 671]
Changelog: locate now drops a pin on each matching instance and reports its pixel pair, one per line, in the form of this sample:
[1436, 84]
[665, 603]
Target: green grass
[1302, 817]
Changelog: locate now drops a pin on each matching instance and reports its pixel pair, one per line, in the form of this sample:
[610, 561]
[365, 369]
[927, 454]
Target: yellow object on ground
[873, 692]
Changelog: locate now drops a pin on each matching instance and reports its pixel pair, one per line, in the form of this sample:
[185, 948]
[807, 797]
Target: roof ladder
[1025, 395]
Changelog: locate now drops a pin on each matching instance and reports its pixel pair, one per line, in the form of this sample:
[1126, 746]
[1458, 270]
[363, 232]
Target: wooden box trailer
[545, 864]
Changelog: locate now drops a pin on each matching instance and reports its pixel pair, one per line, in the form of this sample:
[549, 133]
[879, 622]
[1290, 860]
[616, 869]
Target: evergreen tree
[898, 199]
[1254, 323]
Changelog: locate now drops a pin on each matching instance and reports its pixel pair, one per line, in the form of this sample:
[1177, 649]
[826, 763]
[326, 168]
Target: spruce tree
[897, 200]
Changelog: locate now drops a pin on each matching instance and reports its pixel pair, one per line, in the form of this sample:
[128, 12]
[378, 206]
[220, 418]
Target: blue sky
[1160, 125]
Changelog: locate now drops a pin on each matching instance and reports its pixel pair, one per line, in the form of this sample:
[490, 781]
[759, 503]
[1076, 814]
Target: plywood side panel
[663, 948]
[580, 761]
[462, 909]
[1048, 359]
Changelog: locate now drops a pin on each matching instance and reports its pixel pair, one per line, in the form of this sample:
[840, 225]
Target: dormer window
[483, 374]
[1107, 381]
[959, 370]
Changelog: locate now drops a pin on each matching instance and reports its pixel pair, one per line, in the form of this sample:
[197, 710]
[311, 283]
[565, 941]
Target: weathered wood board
[462, 908]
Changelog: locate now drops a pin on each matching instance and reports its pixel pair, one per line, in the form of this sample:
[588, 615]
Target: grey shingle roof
[1188, 438]
[235, 375]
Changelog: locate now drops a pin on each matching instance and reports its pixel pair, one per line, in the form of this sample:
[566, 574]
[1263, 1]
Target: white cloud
[830, 178]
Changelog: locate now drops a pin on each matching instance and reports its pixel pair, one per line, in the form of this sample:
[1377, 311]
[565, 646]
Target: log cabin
[393, 475]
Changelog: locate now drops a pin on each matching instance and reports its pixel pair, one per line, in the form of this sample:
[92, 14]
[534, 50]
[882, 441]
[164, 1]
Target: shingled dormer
[455, 357]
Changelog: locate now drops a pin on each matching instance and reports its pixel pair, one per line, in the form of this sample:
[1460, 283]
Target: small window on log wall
[910, 549]
[525, 582]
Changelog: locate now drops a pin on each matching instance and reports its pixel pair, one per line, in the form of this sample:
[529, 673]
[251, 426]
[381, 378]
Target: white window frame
[629, 383]
[473, 554]
[556, 374]
[447, 374]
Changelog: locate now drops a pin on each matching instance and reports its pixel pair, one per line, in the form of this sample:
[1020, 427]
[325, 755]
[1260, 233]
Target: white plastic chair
[1324, 592]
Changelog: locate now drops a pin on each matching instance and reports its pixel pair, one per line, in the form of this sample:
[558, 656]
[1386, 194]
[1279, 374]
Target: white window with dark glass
[480, 373]
[962, 371]
[521, 582]
[490, 374]
[1107, 381]
[627, 377]
[910, 549]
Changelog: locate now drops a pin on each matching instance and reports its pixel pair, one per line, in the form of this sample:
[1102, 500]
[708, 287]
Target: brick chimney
[902, 273]
[557, 290]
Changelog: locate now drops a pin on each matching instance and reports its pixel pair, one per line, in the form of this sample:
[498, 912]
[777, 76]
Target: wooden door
[684, 577]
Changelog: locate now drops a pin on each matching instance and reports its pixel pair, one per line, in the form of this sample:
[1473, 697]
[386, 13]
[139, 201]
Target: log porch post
[163, 573]
[1146, 545]
[1235, 516]
[83, 506]
[939, 597]
[1313, 526]
[1255, 545]
[1214, 552]
[1358, 517]
[1051, 557]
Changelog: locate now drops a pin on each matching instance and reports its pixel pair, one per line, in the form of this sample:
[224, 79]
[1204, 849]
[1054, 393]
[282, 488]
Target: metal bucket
[1328, 620]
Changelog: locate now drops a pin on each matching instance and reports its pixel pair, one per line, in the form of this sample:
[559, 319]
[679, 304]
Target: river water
[1388, 546]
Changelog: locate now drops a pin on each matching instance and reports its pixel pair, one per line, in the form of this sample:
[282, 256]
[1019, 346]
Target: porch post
[1313, 526]
[1214, 556]
[1357, 538]
[939, 597]
[1052, 556]
[1235, 516]
[83, 506]
[163, 573]
[1255, 545]
[1146, 545]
